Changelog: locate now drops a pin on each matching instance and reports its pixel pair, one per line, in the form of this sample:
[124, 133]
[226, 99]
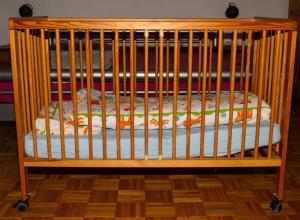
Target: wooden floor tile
[80, 184]
[75, 196]
[131, 196]
[188, 183]
[159, 196]
[54, 184]
[247, 208]
[240, 195]
[101, 210]
[187, 196]
[103, 196]
[189, 209]
[208, 183]
[218, 209]
[232, 183]
[51, 195]
[131, 184]
[157, 184]
[160, 210]
[130, 210]
[213, 195]
[106, 184]
[71, 210]
[259, 183]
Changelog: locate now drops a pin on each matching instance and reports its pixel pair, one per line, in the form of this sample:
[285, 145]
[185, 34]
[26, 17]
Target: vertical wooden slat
[31, 95]
[22, 82]
[81, 60]
[117, 84]
[60, 94]
[113, 62]
[210, 62]
[231, 102]
[89, 102]
[260, 84]
[161, 78]
[33, 72]
[218, 91]
[74, 91]
[278, 80]
[92, 60]
[46, 100]
[274, 89]
[36, 72]
[203, 101]
[20, 79]
[70, 61]
[134, 66]
[146, 91]
[175, 84]
[242, 62]
[132, 93]
[103, 106]
[253, 74]
[278, 92]
[246, 91]
[48, 66]
[156, 64]
[124, 63]
[26, 79]
[267, 68]
[257, 65]
[282, 80]
[189, 94]
[38, 68]
[39, 58]
[271, 69]
[199, 62]
[167, 62]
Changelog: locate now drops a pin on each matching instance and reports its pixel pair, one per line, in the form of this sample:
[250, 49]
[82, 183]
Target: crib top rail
[163, 24]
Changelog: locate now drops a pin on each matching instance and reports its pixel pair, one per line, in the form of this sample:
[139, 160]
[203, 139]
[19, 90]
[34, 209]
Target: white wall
[140, 9]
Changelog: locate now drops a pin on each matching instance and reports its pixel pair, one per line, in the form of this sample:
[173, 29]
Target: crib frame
[30, 55]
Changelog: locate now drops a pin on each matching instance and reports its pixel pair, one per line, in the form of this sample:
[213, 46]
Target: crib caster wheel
[21, 205]
[276, 204]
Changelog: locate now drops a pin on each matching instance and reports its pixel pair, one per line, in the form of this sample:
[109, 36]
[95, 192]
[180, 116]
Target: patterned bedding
[153, 119]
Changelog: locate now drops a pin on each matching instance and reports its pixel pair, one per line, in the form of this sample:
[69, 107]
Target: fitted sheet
[153, 112]
[153, 142]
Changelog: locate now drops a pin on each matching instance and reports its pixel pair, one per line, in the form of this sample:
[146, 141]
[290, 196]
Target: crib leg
[276, 204]
[23, 204]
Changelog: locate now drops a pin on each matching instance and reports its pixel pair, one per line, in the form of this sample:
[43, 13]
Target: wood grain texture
[154, 24]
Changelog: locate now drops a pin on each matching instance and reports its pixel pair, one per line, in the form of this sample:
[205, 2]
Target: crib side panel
[68, 78]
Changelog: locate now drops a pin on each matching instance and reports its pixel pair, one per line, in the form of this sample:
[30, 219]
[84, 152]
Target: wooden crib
[260, 54]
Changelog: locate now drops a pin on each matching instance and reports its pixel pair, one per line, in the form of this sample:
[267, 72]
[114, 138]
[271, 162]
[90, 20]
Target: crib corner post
[278, 196]
[23, 203]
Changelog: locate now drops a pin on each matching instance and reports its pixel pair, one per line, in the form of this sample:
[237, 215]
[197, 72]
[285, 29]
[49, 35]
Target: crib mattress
[153, 142]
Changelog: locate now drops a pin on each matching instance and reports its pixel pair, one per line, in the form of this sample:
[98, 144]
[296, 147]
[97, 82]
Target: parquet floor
[205, 194]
